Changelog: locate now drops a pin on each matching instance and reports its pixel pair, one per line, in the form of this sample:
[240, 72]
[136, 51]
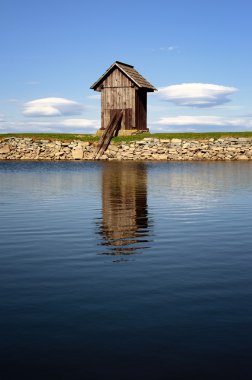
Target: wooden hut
[123, 90]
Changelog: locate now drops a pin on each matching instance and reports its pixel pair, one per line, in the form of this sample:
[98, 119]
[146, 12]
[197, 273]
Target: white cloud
[219, 121]
[80, 123]
[196, 94]
[52, 107]
[37, 126]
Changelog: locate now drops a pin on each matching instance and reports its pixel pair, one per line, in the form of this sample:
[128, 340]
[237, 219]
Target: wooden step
[108, 134]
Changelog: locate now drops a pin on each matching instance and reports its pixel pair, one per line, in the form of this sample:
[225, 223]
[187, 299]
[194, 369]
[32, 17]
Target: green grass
[185, 136]
[51, 136]
[91, 138]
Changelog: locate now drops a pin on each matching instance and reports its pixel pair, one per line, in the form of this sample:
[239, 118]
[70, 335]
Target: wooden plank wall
[118, 92]
[116, 79]
[119, 98]
[141, 110]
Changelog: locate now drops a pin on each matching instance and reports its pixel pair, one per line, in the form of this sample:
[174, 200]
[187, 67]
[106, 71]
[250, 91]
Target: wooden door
[127, 117]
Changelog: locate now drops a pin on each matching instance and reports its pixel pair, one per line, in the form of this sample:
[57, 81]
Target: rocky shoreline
[147, 149]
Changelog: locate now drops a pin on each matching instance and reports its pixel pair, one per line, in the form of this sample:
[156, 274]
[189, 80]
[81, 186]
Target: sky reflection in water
[79, 301]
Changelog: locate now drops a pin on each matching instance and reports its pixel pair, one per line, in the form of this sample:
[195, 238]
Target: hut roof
[130, 72]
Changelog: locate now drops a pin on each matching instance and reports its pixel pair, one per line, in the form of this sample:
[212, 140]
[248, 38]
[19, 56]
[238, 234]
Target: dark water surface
[125, 270]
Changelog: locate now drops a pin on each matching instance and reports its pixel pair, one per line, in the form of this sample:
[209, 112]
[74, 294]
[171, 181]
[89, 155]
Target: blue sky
[198, 52]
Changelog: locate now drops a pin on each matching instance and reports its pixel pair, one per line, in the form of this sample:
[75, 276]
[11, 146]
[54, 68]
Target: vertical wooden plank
[112, 105]
[113, 78]
[133, 107]
[102, 108]
[126, 118]
[123, 107]
[138, 124]
[142, 102]
[109, 97]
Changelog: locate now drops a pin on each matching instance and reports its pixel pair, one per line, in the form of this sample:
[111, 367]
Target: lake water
[125, 270]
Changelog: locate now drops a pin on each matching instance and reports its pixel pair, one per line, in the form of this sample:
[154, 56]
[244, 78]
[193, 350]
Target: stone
[125, 147]
[148, 149]
[186, 145]
[26, 157]
[113, 148]
[162, 156]
[58, 154]
[243, 139]
[50, 145]
[172, 151]
[85, 143]
[4, 149]
[155, 156]
[77, 154]
[129, 157]
[232, 148]
[199, 154]
[242, 157]
[140, 142]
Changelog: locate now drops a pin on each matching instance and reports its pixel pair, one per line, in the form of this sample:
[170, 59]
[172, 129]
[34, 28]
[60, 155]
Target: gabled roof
[131, 74]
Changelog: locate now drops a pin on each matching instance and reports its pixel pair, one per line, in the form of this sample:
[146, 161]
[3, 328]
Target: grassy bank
[91, 138]
[186, 136]
[51, 136]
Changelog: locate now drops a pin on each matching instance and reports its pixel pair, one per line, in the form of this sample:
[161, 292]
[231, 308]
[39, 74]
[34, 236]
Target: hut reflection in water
[124, 225]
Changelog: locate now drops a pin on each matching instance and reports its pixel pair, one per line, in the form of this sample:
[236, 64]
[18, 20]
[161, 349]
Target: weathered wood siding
[119, 99]
[119, 93]
[116, 79]
[123, 88]
[141, 109]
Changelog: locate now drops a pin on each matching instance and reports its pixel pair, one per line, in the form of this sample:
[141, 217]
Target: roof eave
[149, 89]
[117, 64]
